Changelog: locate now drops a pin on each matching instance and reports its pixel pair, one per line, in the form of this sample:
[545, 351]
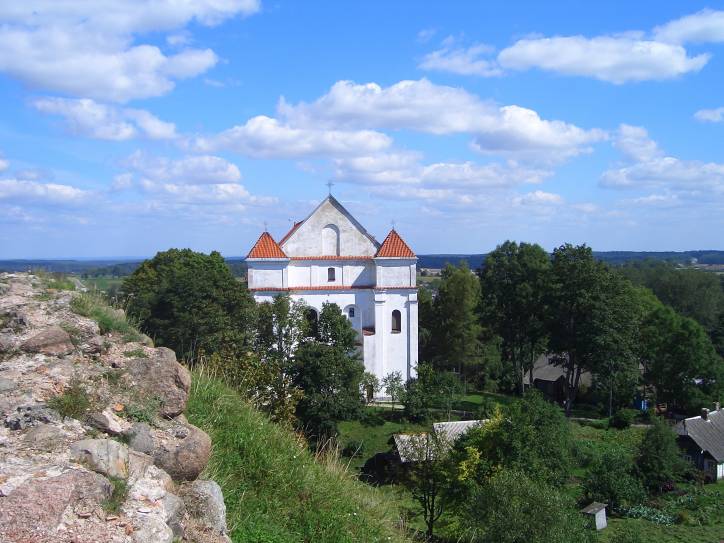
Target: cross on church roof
[329, 186]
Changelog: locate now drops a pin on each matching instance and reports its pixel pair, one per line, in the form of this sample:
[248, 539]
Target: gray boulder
[44, 437]
[162, 377]
[140, 438]
[53, 341]
[6, 385]
[102, 455]
[205, 505]
[182, 451]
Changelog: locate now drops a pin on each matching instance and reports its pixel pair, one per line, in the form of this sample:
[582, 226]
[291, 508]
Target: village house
[330, 258]
[702, 441]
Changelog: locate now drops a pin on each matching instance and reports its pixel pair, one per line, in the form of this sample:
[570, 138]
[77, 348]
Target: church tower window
[330, 274]
[396, 322]
[351, 312]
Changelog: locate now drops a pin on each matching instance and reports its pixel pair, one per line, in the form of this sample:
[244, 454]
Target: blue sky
[131, 127]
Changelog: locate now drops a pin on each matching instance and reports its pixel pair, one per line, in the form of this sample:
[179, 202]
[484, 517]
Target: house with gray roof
[702, 440]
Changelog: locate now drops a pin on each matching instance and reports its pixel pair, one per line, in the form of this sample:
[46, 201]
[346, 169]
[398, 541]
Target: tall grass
[275, 490]
[94, 306]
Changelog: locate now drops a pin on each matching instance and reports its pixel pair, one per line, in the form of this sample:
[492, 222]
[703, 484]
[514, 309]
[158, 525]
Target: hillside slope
[275, 490]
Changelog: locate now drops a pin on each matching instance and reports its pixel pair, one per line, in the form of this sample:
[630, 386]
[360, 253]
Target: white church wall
[395, 272]
[308, 239]
[266, 274]
[397, 356]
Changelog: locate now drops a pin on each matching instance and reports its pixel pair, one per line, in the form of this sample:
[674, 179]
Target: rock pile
[94, 446]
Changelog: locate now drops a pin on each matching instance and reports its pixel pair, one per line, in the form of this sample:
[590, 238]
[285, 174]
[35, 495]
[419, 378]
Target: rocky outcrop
[94, 446]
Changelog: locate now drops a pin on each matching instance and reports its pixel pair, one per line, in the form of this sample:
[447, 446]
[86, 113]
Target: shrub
[622, 418]
[611, 479]
[73, 402]
[371, 418]
[648, 513]
[659, 461]
[142, 410]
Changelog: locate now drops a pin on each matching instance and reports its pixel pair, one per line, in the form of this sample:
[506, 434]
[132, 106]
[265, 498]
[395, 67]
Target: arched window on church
[330, 240]
[330, 274]
[396, 322]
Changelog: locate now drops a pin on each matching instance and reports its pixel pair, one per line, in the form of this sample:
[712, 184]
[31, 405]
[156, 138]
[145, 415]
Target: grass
[374, 439]
[103, 283]
[113, 504]
[73, 402]
[109, 319]
[135, 353]
[275, 490]
[142, 410]
[55, 281]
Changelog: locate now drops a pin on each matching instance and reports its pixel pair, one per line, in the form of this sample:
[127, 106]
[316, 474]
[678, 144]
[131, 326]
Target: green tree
[426, 325]
[457, 331]
[428, 475]
[329, 371]
[281, 326]
[612, 479]
[190, 301]
[592, 318]
[659, 461]
[512, 507]
[393, 386]
[529, 435]
[370, 385]
[515, 281]
[679, 361]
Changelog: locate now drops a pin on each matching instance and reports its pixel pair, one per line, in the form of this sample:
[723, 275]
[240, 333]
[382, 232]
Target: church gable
[330, 230]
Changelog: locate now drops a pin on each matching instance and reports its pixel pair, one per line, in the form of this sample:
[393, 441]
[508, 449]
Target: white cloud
[88, 118]
[426, 34]
[192, 170]
[616, 59]
[650, 167]
[406, 169]
[706, 26]
[462, 60]
[89, 50]
[437, 109]
[710, 115]
[31, 192]
[537, 198]
[265, 137]
[4, 164]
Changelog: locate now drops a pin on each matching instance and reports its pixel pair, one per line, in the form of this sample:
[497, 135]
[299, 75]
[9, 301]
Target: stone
[107, 421]
[34, 510]
[44, 437]
[146, 340]
[95, 345]
[153, 530]
[162, 377]
[29, 415]
[6, 385]
[204, 502]
[52, 341]
[138, 463]
[6, 343]
[140, 438]
[175, 510]
[182, 458]
[102, 455]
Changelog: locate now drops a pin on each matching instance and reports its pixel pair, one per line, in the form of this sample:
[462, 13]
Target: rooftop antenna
[329, 186]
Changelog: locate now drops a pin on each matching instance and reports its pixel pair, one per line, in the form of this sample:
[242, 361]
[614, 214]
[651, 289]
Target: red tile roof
[394, 247]
[291, 231]
[266, 247]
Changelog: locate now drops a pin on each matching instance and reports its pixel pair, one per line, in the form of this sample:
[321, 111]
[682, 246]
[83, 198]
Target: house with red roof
[329, 257]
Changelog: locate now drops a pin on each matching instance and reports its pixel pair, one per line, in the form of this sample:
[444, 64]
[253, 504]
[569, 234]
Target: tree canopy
[189, 301]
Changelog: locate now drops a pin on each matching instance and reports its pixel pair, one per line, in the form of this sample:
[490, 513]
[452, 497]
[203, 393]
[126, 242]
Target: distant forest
[121, 268]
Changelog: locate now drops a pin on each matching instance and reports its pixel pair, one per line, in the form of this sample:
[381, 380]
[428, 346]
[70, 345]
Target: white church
[330, 258]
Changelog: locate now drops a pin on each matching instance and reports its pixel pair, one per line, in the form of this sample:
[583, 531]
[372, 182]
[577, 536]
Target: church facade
[330, 258]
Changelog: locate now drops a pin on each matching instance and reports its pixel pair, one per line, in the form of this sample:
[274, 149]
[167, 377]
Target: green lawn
[102, 283]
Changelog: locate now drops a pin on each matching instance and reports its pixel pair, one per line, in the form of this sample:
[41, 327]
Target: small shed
[597, 512]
